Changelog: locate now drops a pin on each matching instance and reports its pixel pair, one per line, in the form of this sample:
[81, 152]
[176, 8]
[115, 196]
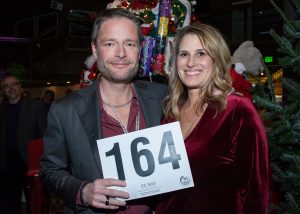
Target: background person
[21, 120]
[26, 93]
[48, 98]
[2, 97]
[114, 104]
[224, 137]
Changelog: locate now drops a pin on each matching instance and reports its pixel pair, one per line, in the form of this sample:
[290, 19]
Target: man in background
[21, 120]
[49, 97]
[2, 97]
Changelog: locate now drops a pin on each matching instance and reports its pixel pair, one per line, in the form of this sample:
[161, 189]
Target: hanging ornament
[138, 4]
[88, 75]
[171, 23]
[187, 15]
[153, 3]
[172, 26]
[161, 36]
[146, 28]
[194, 3]
[194, 17]
[173, 29]
[119, 3]
[146, 56]
[173, 18]
[125, 4]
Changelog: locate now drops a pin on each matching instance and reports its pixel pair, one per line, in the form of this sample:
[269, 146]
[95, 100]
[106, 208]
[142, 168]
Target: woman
[224, 137]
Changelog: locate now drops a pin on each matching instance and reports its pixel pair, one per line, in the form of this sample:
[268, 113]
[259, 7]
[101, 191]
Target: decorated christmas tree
[160, 19]
[284, 119]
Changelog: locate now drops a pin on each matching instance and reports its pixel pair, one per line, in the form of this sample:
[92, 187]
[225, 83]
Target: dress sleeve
[251, 159]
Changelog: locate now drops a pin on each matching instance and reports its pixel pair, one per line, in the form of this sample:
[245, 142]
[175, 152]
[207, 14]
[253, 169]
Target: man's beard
[14, 93]
[107, 74]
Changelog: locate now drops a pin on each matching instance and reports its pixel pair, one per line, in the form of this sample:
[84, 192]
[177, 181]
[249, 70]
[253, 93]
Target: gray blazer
[32, 124]
[70, 148]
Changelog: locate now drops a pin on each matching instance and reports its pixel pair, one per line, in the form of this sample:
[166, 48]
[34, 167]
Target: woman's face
[194, 65]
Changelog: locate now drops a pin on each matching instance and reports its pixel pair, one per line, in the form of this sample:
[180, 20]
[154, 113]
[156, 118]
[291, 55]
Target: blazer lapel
[88, 110]
[24, 117]
[147, 100]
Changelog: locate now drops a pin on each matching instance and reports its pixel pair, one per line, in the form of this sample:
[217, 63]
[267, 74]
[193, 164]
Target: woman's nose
[191, 61]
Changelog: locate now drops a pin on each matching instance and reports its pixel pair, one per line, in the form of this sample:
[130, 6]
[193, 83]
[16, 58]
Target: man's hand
[99, 195]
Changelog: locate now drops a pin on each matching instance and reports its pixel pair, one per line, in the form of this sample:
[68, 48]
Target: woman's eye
[183, 54]
[201, 53]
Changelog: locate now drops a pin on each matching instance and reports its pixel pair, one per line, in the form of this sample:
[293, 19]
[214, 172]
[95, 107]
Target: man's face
[117, 50]
[12, 88]
[47, 99]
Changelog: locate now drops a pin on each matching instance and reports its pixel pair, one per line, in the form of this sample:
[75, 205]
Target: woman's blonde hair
[216, 47]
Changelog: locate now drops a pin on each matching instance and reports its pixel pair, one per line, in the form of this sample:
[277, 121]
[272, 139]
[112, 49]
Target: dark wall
[14, 10]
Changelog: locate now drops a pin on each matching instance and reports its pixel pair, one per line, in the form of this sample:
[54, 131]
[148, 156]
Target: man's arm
[61, 146]
[55, 169]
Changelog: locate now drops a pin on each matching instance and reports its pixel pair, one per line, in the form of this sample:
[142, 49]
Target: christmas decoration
[239, 83]
[161, 37]
[88, 75]
[119, 3]
[246, 60]
[284, 120]
[146, 56]
[160, 21]
[249, 56]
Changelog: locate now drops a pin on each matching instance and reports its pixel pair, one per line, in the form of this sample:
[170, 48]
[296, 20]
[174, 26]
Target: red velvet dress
[228, 156]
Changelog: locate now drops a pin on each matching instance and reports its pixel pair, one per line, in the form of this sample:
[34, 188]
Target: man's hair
[111, 13]
[51, 94]
[8, 75]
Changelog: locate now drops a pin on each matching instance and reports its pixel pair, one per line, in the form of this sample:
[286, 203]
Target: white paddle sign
[151, 161]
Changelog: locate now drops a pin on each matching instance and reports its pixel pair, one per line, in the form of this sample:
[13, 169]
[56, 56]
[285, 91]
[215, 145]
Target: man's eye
[131, 44]
[108, 44]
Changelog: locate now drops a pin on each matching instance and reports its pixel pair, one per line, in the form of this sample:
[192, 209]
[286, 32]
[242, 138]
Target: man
[21, 121]
[2, 97]
[112, 105]
[48, 98]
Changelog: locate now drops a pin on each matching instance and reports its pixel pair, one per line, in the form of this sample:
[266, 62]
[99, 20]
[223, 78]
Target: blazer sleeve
[55, 172]
[42, 118]
[251, 158]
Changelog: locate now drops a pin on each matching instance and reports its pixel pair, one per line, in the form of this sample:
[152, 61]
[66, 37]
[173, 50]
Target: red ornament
[194, 18]
[173, 28]
[241, 85]
[145, 29]
[159, 64]
[124, 4]
[152, 3]
[138, 4]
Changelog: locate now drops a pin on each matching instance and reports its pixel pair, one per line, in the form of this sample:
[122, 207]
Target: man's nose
[121, 51]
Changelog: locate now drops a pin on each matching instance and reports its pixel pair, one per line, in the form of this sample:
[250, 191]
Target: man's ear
[94, 50]
[140, 49]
